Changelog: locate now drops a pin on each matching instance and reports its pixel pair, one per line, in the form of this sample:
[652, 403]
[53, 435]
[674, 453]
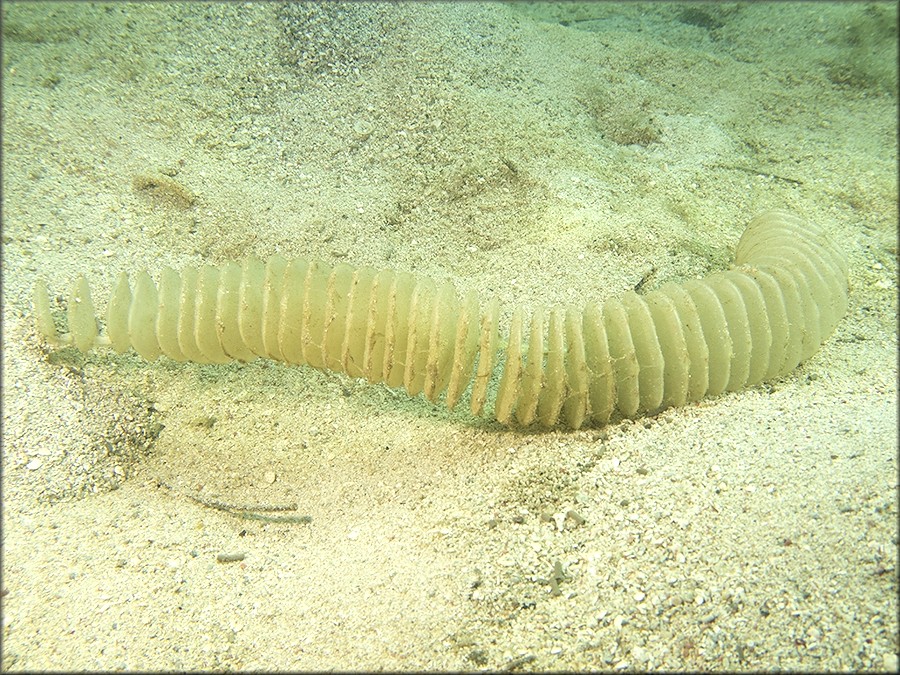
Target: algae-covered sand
[544, 154]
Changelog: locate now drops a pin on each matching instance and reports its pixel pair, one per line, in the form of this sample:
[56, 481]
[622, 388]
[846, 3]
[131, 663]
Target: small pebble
[575, 517]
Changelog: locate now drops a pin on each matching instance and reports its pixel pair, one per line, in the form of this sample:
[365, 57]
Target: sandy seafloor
[543, 154]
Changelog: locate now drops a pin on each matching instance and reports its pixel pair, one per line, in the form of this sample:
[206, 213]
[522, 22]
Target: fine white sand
[542, 154]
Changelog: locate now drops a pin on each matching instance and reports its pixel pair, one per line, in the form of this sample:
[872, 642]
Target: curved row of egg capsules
[635, 354]
[639, 354]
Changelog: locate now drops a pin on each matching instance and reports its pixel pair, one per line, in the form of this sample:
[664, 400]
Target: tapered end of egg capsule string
[83, 332]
